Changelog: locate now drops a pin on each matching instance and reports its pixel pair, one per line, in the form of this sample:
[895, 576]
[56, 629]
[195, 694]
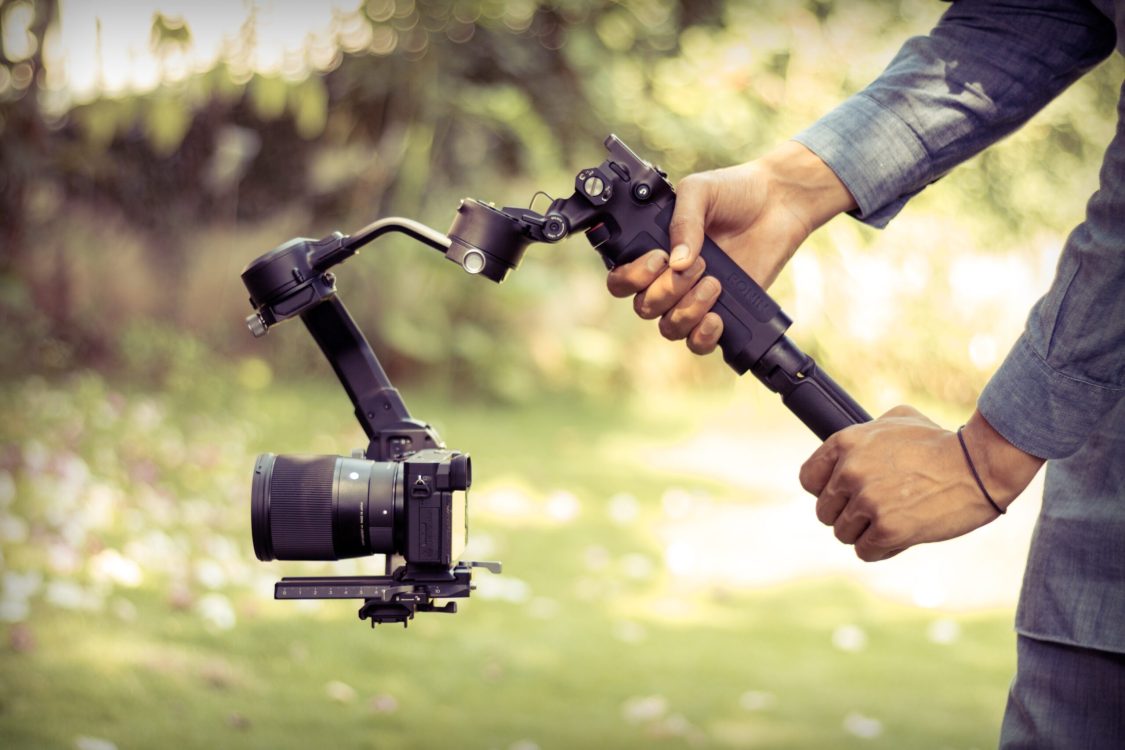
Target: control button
[598, 235]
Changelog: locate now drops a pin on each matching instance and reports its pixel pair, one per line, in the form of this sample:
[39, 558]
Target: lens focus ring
[298, 504]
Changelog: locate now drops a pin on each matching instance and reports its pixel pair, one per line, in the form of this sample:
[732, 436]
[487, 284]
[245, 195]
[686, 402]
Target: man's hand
[758, 212]
[903, 480]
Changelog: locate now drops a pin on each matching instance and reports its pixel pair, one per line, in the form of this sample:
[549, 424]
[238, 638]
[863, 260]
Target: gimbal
[624, 206]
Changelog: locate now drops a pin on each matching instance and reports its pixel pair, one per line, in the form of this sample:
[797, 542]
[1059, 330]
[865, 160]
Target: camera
[403, 497]
[333, 508]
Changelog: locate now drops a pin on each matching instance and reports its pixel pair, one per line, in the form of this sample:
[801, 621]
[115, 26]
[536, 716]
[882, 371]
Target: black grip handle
[822, 404]
[754, 339]
[752, 321]
[626, 206]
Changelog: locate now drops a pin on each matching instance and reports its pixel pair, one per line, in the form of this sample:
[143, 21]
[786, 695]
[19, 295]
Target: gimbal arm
[332, 253]
[293, 281]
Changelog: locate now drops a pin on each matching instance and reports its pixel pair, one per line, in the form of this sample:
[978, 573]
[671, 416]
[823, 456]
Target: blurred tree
[408, 105]
[23, 134]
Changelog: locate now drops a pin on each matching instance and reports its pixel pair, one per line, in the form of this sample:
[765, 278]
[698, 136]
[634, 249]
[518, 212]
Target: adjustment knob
[257, 325]
[554, 228]
[598, 235]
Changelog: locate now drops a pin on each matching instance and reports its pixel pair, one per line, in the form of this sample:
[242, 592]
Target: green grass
[585, 654]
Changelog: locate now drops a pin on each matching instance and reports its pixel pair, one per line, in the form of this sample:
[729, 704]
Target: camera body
[333, 508]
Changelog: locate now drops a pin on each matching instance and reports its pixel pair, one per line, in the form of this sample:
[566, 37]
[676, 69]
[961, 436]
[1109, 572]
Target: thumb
[685, 231]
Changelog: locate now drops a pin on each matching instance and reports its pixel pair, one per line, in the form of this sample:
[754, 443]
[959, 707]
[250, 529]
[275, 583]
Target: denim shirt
[983, 71]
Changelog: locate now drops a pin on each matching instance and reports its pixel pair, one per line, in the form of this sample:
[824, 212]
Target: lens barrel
[324, 507]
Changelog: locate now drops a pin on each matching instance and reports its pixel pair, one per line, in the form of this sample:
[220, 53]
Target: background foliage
[609, 462]
[143, 206]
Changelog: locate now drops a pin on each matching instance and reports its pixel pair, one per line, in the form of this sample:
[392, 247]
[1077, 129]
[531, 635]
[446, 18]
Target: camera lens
[323, 507]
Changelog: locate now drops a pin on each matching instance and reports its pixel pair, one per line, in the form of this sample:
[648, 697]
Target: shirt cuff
[875, 154]
[1040, 410]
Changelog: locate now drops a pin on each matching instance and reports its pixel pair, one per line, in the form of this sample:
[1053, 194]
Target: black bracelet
[976, 476]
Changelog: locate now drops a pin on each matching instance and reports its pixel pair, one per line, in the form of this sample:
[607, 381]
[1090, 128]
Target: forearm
[1005, 470]
[801, 182]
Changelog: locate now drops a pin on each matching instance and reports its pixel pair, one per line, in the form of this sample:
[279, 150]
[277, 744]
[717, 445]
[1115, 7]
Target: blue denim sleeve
[1067, 370]
[983, 71]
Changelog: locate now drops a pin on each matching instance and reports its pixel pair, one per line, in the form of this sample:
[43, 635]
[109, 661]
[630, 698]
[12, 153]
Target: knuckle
[642, 306]
[805, 478]
[845, 440]
[618, 286]
[867, 553]
[877, 514]
[824, 512]
[866, 505]
[694, 181]
[902, 410]
[847, 474]
[695, 346]
[671, 326]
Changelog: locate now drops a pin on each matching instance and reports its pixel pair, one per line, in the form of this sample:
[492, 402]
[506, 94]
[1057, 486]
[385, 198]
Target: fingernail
[679, 253]
[655, 261]
[705, 289]
[708, 326]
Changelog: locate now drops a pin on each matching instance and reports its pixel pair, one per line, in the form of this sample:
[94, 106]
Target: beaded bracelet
[976, 476]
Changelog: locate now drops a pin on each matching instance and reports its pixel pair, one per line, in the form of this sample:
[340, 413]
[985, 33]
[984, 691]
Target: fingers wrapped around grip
[631, 278]
[667, 290]
[686, 314]
[681, 299]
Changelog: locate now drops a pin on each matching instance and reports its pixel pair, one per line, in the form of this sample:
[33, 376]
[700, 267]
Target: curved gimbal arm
[292, 280]
[333, 254]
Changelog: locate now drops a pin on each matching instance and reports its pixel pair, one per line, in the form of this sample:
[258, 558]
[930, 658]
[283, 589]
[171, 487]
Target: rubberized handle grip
[822, 404]
[752, 321]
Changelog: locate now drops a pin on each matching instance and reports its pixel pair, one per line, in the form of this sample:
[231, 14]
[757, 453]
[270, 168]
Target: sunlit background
[666, 583]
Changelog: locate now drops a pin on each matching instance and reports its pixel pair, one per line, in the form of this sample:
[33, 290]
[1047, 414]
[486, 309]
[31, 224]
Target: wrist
[1004, 469]
[800, 180]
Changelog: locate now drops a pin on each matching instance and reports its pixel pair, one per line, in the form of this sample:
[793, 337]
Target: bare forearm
[798, 179]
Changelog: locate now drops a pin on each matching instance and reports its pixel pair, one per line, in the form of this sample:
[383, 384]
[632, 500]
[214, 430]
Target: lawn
[137, 616]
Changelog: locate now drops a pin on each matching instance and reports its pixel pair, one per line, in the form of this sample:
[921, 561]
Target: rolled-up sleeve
[1067, 370]
[983, 71]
